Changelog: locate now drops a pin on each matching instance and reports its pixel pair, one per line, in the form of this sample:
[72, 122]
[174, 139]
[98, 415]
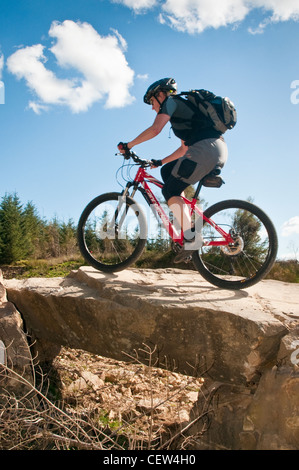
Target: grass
[286, 271]
[54, 267]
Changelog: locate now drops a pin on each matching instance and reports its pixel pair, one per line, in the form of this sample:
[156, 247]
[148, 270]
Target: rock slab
[246, 341]
[185, 318]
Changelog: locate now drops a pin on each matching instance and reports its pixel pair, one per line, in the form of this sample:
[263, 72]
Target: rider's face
[155, 103]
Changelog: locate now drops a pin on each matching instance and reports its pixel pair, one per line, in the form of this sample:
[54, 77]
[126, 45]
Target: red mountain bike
[239, 242]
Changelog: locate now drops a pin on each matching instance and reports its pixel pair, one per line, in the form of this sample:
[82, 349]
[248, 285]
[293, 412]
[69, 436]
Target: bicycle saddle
[212, 179]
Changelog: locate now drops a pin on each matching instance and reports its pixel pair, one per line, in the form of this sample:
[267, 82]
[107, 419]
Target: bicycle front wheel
[244, 262]
[112, 232]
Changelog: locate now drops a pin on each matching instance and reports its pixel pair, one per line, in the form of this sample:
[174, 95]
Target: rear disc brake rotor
[234, 249]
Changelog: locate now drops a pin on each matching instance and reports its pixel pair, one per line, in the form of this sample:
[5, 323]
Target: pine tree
[52, 236]
[33, 231]
[67, 236]
[12, 247]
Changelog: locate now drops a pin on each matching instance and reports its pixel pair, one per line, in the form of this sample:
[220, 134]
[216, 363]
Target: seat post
[197, 191]
[215, 172]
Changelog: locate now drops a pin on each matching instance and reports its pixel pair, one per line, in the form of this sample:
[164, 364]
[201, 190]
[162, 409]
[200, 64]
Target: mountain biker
[201, 149]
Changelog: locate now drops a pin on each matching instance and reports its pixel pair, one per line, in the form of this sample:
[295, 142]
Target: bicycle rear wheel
[251, 256]
[112, 232]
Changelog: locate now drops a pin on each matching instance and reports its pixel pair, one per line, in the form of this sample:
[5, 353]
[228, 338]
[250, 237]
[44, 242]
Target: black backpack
[221, 111]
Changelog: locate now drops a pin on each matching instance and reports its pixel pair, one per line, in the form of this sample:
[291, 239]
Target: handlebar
[136, 159]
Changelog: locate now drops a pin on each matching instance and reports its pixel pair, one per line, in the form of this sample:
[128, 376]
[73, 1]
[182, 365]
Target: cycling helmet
[165, 84]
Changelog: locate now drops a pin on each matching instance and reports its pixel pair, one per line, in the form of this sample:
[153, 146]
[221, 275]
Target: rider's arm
[178, 153]
[155, 129]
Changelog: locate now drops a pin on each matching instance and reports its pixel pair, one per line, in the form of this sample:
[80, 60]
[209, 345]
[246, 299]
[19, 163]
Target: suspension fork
[126, 191]
[116, 224]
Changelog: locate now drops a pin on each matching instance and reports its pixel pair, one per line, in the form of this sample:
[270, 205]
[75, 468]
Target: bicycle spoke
[251, 253]
[111, 232]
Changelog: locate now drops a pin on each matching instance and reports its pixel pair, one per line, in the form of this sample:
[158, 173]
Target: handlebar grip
[156, 162]
[124, 146]
[129, 154]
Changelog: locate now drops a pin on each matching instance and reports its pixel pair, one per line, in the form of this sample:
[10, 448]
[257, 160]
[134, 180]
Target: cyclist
[201, 149]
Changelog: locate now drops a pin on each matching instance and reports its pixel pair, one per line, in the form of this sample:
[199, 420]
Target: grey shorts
[200, 159]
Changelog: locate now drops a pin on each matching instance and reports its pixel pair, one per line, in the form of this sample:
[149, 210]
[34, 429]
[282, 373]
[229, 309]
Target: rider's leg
[198, 161]
[181, 214]
[172, 191]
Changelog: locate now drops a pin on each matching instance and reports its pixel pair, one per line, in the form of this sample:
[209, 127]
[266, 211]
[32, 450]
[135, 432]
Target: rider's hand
[124, 149]
[156, 163]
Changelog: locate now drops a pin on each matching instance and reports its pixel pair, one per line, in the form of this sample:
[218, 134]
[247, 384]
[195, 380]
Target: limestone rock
[247, 341]
[14, 349]
[235, 334]
[274, 411]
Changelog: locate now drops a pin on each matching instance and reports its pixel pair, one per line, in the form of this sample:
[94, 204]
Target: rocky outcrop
[263, 417]
[244, 340]
[238, 333]
[15, 355]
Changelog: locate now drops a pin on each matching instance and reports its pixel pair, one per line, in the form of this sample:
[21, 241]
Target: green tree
[53, 238]
[12, 247]
[33, 231]
[67, 237]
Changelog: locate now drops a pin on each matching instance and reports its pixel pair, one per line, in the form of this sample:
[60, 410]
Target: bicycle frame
[142, 179]
[234, 253]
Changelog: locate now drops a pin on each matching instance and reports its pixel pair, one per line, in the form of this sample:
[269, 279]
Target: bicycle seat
[212, 179]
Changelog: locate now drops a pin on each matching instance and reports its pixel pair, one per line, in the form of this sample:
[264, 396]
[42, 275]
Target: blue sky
[75, 72]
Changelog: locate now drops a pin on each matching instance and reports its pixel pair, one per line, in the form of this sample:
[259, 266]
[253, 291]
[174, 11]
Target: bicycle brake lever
[126, 157]
[135, 158]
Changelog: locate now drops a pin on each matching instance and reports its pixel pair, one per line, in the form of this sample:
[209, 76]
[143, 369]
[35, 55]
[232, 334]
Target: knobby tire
[121, 253]
[243, 269]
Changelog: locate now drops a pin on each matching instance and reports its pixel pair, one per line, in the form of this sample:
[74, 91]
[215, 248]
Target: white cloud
[281, 11]
[99, 62]
[291, 226]
[142, 76]
[28, 63]
[194, 16]
[138, 6]
[122, 41]
[36, 107]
